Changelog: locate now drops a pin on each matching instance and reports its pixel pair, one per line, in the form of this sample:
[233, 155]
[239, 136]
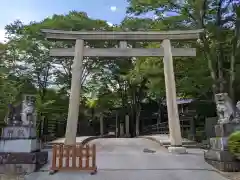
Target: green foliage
[123, 82]
[214, 70]
[234, 143]
[42, 105]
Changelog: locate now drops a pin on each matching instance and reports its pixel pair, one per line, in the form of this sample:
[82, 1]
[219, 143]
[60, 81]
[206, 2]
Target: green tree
[28, 58]
[216, 17]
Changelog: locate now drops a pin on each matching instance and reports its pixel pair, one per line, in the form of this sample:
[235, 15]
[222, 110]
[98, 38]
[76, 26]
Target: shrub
[234, 144]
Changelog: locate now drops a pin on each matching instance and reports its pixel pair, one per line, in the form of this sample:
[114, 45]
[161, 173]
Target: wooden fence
[74, 158]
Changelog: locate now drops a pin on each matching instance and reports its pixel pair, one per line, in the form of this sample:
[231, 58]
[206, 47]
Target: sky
[112, 11]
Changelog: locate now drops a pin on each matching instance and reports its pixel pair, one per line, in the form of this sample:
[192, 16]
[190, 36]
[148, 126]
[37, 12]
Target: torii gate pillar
[172, 108]
[74, 100]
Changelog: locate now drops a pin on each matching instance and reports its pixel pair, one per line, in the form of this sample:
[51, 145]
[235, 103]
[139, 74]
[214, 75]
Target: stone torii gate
[166, 51]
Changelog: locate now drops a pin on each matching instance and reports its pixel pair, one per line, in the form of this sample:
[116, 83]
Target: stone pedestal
[22, 152]
[19, 132]
[219, 143]
[224, 130]
[19, 146]
[177, 149]
[218, 154]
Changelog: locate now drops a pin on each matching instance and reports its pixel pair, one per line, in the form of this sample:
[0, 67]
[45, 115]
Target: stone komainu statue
[14, 114]
[226, 111]
[23, 113]
[27, 112]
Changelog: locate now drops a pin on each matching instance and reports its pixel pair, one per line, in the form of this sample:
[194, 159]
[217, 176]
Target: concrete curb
[151, 139]
[83, 142]
[89, 139]
[166, 145]
[154, 140]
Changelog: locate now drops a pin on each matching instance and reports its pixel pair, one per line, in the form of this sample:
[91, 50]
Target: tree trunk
[220, 71]
[233, 61]
[138, 113]
[232, 78]
[219, 47]
[92, 112]
[206, 49]
[101, 126]
[207, 55]
[116, 121]
[127, 125]
[159, 118]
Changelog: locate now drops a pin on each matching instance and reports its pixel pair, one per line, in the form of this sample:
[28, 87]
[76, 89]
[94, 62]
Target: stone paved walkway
[124, 159]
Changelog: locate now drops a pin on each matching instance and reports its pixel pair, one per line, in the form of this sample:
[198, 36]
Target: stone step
[184, 142]
[187, 146]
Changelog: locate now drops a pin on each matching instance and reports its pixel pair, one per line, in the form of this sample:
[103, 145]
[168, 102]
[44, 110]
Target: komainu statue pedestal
[218, 155]
[19, 145]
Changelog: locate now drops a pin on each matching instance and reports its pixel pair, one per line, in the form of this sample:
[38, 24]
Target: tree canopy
[124, 83]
